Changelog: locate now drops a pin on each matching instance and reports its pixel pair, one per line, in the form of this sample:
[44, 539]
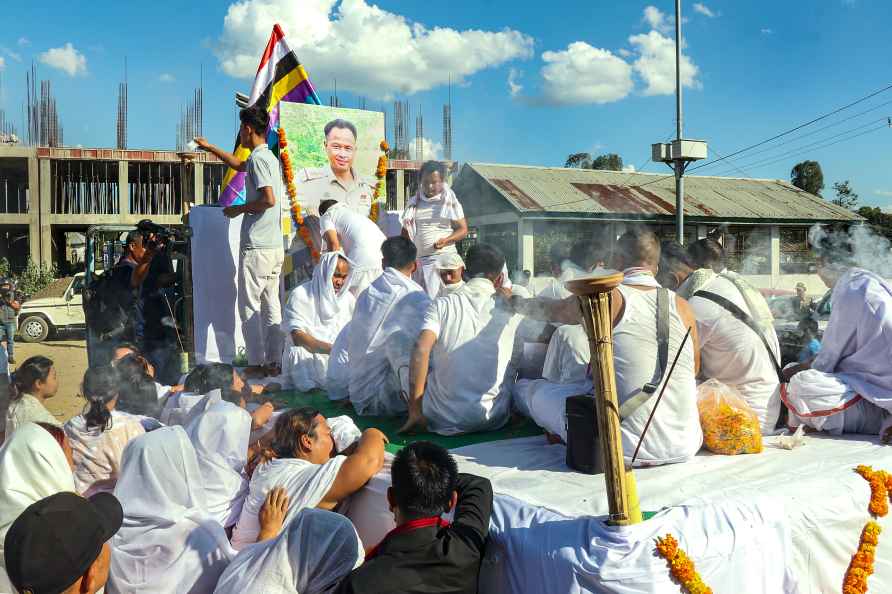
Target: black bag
[583, 446]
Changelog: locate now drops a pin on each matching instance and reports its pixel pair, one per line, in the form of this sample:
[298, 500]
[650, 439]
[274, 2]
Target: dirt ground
[69, 353]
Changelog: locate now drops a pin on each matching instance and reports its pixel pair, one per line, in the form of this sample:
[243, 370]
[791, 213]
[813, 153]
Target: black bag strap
[744, 317]
[662, 341]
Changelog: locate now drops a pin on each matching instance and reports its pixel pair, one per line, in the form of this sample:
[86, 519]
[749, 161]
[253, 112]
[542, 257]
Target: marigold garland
[879, 489]
[381, 174]
[296, 214]
[680, 566]
[861, 566]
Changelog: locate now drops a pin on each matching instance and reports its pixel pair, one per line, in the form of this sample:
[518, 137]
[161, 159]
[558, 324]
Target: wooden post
[594, 295]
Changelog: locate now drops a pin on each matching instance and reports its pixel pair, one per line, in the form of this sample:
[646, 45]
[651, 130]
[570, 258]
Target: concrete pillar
[34, 209]
[525, 246]
[702, 231]
[400, 190]
[44, 208]
[123, 187]
[775, 255]
[197, 182]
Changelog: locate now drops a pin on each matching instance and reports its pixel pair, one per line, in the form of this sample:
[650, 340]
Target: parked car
[787, 323]
[58, 307]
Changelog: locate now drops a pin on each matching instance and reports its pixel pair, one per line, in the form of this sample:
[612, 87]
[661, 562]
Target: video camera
[164, 236]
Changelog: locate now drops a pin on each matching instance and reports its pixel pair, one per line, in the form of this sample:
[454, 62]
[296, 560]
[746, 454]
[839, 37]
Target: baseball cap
[800, 285]
[449, 261]
[55, 540]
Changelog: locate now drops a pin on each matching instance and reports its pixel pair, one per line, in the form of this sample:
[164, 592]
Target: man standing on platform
[262, 253]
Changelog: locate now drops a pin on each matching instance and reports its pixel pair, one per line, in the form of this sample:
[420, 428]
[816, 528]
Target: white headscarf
[220, 437]
[32, 467]
[316, 302]
[168, 542]
[313, 554]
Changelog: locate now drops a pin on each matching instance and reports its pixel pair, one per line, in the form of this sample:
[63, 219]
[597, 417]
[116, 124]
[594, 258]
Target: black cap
[54, 541]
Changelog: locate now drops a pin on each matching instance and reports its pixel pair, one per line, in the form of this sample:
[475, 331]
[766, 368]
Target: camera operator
[158, 337]
[9, 313]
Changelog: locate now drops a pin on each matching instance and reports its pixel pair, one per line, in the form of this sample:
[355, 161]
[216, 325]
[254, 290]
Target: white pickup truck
[46, 314]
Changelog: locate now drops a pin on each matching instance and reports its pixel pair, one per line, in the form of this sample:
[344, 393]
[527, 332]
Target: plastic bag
[729, 425]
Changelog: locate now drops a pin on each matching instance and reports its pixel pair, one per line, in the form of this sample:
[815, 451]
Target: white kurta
[97, 453]
[567, 357]
[854, 360]
[361, 241]
[169, 542]
[469, 384]
[32, 467]
[316, 309]
[220, 437]
[306, 484]
[314, 551]
[386, 323]
[733, 354]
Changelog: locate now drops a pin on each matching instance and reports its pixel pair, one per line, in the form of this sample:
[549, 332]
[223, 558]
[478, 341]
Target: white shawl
[306, 483]
[168, 542]
[315, 308]
[451, 208]
[311, 556]
[220, 437]
[32, 467]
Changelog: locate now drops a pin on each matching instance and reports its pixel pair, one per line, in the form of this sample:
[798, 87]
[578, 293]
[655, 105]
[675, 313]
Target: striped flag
[280, 77]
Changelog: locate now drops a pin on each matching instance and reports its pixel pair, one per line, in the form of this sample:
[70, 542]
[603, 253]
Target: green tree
[845, 195]
[808, 176]
[879, 221]
[35, 277]
[579, 161]
[608, 162]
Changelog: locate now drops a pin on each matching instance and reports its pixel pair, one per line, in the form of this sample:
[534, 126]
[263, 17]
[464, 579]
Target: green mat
[389, 425]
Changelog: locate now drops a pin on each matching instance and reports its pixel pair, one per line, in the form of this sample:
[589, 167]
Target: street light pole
[679, 131]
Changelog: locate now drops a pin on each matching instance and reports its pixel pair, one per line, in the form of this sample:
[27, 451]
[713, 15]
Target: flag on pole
[280, 77]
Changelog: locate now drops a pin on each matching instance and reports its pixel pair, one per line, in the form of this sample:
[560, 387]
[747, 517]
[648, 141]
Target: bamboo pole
[594, 295]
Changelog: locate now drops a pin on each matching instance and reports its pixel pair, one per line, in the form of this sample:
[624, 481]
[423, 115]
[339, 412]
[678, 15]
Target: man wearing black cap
[58, 545]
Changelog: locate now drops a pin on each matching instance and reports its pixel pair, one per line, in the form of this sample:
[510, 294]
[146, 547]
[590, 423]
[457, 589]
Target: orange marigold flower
[384, 146]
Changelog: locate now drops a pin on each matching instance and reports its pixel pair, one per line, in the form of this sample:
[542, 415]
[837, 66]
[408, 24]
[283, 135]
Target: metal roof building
[525, 210]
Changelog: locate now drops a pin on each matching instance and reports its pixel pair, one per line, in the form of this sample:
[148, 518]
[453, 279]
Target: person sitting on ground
[424, 553]
[386, 321]
[343, 229]
[302, 459]
[221, 435]
[847, 387]
[674, 434]
[169, 541]
[467, 340]
[138, 394]
[315, 314]
[730, 351]
[30, 386]
[123, 349]
[435, 221]
[582, 258]
[99, 435]
[35, 462]
[315, 551]
[60, 544]
[452, 269]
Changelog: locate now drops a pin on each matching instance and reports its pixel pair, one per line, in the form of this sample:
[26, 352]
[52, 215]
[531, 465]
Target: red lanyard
[408, 527]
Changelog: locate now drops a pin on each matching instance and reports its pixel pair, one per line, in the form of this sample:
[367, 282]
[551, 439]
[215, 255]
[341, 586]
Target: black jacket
[432, 559]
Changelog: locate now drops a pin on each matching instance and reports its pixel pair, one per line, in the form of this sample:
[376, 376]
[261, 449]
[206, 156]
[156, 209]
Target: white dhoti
[428, 276]
[824, 402]
[337, 376]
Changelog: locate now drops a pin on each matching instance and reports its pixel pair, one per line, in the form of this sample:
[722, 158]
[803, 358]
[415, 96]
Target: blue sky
[536, 81]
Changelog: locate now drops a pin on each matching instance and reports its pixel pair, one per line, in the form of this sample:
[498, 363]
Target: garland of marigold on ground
[381, 174]
[680, 566]
[861, 566]
[296, 215]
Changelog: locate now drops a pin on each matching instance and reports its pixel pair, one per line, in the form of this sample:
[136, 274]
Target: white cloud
[656, 64]
[514, 87]
[585, 74]
[629, 168]
[430, 149]
[15, 56]
[624, 52]
[166, 77]
[369, 50]
[883, 193]
[658, 20]
[66, 59]
[767, 31]
[23, 42]
[701, 8]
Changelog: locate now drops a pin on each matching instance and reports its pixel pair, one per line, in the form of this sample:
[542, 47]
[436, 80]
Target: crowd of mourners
[212, 486]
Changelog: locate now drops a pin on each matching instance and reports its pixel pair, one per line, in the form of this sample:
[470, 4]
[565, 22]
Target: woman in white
[99, 435]
[29, 388]
[169, 542]
[220, 436]
[315, 314]
[33, 466]
[435, 221]
[311, 556]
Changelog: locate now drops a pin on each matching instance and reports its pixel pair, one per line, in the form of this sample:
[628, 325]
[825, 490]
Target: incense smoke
[857, 246]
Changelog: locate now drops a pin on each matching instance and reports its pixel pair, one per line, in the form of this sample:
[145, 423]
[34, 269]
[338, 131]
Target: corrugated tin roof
[568, 191]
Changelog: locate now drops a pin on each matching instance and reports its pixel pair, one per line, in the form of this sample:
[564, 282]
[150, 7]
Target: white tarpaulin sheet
[822, 503]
